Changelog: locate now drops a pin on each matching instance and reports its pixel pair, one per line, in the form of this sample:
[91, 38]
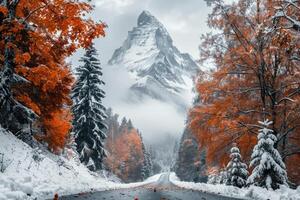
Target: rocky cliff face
[159, 70]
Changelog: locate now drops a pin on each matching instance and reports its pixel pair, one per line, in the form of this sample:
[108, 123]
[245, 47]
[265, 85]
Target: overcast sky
[185, 20]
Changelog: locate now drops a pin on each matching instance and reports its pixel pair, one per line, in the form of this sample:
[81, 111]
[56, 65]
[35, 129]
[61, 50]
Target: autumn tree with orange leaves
[124, 145]
[256, 54]
[35, 40]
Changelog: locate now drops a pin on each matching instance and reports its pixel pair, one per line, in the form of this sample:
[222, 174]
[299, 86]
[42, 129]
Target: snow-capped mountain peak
[158, 68]
[146, 18]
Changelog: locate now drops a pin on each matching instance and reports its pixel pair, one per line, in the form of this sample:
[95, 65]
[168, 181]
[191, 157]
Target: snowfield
[252, 192]
[37, 174]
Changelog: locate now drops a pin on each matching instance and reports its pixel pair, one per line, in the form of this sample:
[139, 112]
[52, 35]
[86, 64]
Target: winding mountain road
[163, 189]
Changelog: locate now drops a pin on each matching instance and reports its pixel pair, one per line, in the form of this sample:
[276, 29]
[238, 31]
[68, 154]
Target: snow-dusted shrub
[219, 177]
[222, 177]
[212, 179]
[269, 170]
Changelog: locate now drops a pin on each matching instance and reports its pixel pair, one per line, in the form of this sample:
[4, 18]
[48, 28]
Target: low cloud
[117, 84]
[152, 117]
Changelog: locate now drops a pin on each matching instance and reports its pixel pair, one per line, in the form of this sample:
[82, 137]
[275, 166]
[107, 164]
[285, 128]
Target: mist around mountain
[152, 85]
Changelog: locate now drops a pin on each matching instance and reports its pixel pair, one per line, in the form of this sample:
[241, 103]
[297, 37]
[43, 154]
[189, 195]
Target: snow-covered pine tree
[147, 169]
[144, 170]
[147, 164]
[269, 169]
[236, 170]
[149, 158]
[89, 113]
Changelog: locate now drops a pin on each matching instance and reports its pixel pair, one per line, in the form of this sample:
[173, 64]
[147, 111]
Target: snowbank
[252, 192]
[33, 173]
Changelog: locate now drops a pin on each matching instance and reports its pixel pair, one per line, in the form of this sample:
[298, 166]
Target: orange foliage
[24, 98]
[3, 10]
[255, 78]
[125, 155]
[45, 34]
[54, 125]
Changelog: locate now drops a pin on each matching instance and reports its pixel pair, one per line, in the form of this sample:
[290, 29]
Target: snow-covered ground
[37, 174]
[252, 192]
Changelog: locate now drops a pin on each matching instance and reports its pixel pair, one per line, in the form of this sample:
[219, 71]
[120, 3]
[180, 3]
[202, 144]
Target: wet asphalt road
[163, 189]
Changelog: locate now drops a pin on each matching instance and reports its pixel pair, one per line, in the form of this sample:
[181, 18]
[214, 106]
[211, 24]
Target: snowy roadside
[99, 184]
[32, 174]
[17, 189]
[252, 192]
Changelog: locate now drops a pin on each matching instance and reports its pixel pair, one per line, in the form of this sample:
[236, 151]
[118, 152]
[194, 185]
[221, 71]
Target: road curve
[163, 189]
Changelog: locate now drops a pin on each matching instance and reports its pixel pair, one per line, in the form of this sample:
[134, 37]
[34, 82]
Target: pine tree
[236, 170]
[269, 169]
[123, 125]
[146, 169]
[150, 163]
[89, 113]
[129, 125]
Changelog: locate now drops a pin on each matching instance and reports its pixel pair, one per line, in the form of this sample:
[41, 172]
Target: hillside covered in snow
[28, 173]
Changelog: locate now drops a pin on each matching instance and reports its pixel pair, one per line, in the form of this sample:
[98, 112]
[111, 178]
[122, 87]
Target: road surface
[163, 189]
